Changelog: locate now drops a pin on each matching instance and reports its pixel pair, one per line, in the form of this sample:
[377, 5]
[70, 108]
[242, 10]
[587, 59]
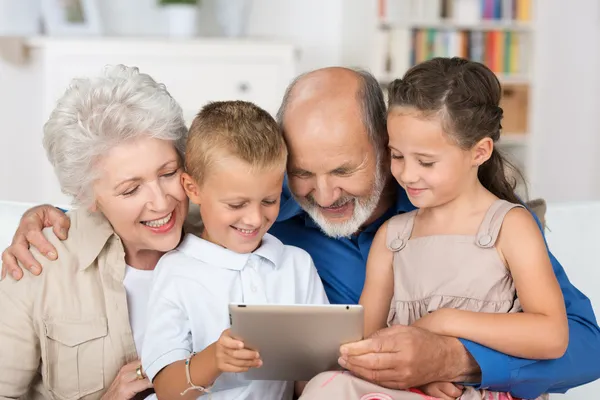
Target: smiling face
[238, 203]
[425, 161]
[139, 191]
[333, 169]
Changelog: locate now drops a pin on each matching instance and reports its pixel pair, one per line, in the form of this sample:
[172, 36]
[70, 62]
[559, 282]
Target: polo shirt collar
[271, 250]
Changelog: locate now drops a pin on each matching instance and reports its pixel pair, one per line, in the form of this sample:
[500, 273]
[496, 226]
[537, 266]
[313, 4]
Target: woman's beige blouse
[65, 334]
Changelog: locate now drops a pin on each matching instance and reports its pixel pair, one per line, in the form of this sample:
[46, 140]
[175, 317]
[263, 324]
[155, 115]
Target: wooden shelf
[515, 79]
[513, 139]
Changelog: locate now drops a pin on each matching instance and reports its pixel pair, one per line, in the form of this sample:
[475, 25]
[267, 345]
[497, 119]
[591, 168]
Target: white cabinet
[194, 71]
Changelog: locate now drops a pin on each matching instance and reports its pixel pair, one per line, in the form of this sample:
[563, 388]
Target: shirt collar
[271, 250]
[93, 232]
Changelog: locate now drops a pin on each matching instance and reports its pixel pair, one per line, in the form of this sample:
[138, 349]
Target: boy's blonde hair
[233, 128]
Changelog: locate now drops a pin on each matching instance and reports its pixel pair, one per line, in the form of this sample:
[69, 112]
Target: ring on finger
[139, 373]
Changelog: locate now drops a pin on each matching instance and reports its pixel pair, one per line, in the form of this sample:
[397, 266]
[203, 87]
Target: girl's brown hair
[465, 95]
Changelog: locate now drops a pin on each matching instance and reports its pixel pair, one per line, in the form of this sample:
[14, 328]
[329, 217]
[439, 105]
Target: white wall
[359, 22]
[20, 122]
[319, 45]
[313, 25]
[565, 163]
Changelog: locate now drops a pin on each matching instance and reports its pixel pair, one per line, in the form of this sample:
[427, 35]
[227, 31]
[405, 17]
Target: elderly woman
[116, 143]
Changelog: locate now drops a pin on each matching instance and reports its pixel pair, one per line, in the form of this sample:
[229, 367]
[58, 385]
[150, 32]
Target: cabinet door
[192, 81]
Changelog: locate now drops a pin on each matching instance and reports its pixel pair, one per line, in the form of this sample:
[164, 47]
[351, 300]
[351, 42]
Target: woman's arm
[541, 331]
[379, 284]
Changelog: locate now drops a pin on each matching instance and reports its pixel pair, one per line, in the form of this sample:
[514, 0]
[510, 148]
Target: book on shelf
[504, 52]
[454, 11]
[493, 32]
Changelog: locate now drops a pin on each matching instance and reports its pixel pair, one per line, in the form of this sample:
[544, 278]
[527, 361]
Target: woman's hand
[442, 390]
[233, 357]
[29, 233]
[127, 383]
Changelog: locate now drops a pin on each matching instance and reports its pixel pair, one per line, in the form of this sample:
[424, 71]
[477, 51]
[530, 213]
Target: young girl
[471, 262]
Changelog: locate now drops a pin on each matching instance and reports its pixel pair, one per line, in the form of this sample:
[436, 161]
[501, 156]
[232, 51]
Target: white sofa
[573, 232]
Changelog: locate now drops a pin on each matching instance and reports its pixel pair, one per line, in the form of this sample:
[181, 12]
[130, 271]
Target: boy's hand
[233, 357]
[442, 390]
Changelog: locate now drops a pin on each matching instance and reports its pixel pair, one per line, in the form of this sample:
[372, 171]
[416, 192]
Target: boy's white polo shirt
[193, 286]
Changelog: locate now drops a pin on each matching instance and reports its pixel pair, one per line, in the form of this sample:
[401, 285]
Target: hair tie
[500, 111]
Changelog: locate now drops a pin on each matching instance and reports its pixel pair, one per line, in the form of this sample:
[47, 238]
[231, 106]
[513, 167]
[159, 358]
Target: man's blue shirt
[341, 264]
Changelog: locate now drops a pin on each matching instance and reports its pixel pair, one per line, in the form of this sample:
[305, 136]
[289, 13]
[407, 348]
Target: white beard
[363, 209]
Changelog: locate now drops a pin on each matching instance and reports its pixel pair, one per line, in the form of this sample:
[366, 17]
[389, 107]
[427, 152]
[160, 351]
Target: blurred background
[546, 53]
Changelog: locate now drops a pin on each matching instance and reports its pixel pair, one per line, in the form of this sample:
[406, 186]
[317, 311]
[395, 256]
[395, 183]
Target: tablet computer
[295, 342]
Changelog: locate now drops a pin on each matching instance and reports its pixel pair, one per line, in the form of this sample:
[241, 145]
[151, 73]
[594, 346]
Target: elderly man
[338, 193]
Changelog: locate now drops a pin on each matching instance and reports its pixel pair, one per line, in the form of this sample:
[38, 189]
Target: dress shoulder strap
[492, 222]
[399, 230]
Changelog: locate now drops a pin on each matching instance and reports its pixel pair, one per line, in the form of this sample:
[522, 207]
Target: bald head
[338, 91]
[325, 85]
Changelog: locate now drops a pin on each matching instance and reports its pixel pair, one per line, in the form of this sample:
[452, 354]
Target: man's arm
[29, 232]
[529, 378]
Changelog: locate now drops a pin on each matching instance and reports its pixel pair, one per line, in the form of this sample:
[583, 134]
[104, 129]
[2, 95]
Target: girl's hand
[233, 357]
[127, 383]
[443, 390]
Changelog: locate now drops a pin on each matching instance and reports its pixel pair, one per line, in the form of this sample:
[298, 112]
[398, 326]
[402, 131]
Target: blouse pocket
[73, 356]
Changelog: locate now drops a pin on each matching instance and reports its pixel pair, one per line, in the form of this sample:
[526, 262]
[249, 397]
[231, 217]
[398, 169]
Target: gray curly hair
[96, 114]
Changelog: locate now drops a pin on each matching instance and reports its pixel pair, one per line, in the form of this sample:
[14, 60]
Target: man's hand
[443, 390]
[402, 357]
[233, 357]
[29, 233]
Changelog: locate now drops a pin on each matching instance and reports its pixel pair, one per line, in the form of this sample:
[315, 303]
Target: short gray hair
[372, 104]
[96, 114]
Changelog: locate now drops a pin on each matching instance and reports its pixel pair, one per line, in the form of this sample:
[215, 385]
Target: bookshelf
[498, 33]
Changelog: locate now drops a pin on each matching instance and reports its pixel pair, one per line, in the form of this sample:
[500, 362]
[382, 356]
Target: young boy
[235, 163]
